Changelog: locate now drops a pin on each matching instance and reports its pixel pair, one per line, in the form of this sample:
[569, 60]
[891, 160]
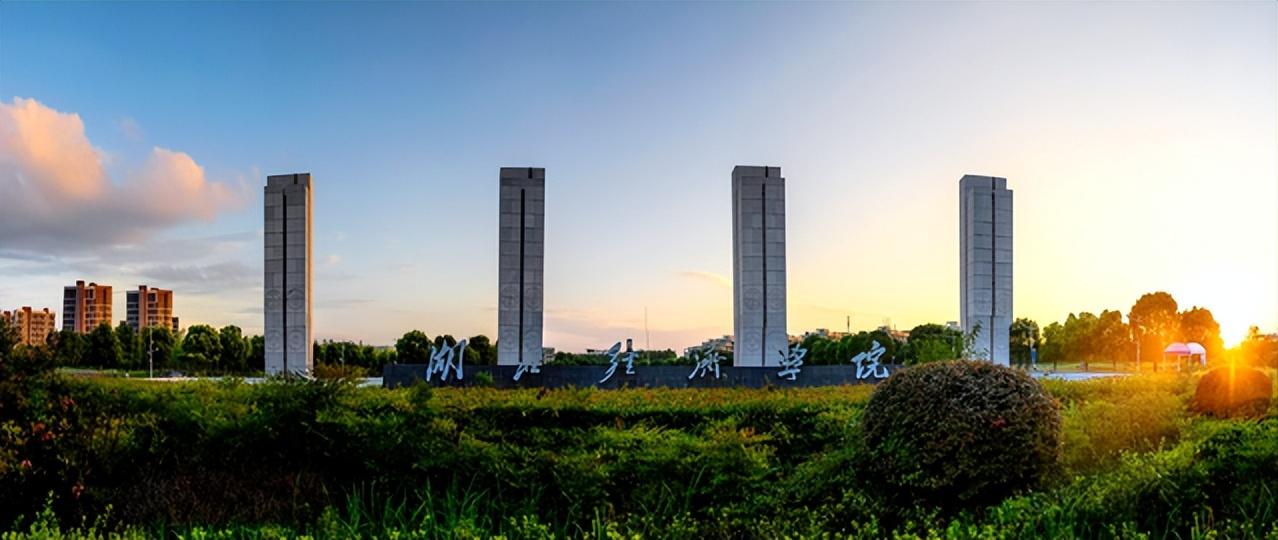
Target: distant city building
[148, 306]
[287, 274]
[824, 333]
[899, 335]
[84, 307]
[985, 264]
[33, 326]
[758, 267]
[719, 344]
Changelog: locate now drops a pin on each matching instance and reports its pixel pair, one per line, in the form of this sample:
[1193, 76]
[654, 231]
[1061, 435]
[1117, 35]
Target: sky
[1140, 140]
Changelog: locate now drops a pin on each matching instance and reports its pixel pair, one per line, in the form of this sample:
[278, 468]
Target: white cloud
[58, 198]
[131, 130]
[712, 277]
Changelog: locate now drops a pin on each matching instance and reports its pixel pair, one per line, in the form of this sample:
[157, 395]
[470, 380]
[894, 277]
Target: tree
[446, 340]
[128, 339]
[484, 352]
[1113, 337]
[930, 350]
[932, 342]
[1024, 336]
[69, 348]
[886, 341]
[413, 348]
[1258, 349]
[234, 349]
[1053, 344]
[103, 348]
[1081, 338]
[257, 354]
[8, 339]
[1198, 325]
[201, 348]
[1156, 321]
[969, 344]
[157, 344]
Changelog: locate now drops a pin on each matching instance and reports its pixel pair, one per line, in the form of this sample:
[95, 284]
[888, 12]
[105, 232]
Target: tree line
[1153, 321]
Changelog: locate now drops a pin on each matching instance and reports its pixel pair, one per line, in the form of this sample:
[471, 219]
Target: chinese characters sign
[867, 363]
[615, 359]
[446, 359]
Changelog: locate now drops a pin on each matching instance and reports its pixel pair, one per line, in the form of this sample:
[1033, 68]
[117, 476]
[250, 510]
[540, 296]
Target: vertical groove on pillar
[993, 265]
[523, 226]
[763, 201]
[284, 279]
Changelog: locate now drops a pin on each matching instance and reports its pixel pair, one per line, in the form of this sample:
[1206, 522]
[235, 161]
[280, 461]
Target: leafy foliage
[93, 458]
[956, 435]
[1233, 391]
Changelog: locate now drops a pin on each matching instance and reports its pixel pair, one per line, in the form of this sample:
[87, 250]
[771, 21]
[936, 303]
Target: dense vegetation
[1084, 340]
[958, 435]
[227, 459]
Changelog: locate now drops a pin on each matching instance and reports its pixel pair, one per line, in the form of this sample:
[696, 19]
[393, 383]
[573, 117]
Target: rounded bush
[961, 434]
[1239, 391]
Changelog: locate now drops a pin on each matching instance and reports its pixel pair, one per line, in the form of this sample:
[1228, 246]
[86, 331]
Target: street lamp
[150, 353]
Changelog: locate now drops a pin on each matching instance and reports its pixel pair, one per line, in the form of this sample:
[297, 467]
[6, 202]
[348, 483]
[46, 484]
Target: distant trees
[1155, 319]
[157, 345]
[931, 343]
[103, 349]
[128, 339]
[68, 348]
[1153, 322]
[1024, 336]
[1258, 349]
[201, 348]
[1113, 337]
[413, 348]
[257, 354]
[480, 350]
[1084, 337]
[347, 353]
[825, 351]
[1199, 325]
[234, 349]
[665, 357]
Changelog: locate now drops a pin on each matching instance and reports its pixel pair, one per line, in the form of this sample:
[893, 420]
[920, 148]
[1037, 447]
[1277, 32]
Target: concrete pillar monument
[520, 265]
[758, 267]
[985, 265]
[287, 274]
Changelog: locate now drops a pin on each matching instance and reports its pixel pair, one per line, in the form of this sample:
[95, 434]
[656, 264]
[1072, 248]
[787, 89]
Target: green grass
[329, 460]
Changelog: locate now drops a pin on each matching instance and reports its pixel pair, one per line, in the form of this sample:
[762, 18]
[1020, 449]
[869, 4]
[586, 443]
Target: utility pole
[647, 342]
[150, 353]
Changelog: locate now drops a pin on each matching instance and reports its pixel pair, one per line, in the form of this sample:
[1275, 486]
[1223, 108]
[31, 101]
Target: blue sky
[1139, 139]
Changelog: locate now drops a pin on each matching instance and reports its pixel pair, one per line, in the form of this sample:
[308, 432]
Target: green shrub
[484, 380]
[955, 435]
[340, 371]
[1232, 391]
[1104, 418]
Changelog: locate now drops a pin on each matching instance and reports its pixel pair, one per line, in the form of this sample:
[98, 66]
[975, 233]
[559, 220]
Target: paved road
[1077, 375]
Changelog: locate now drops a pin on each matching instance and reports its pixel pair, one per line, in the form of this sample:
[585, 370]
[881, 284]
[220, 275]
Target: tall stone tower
[287, 284]
[520, 265]
[758, 266]
[985, 264]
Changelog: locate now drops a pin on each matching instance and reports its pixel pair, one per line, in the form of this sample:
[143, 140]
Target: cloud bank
[56, 195]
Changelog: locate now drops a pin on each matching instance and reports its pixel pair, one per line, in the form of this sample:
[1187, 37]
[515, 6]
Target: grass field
[329, 460]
